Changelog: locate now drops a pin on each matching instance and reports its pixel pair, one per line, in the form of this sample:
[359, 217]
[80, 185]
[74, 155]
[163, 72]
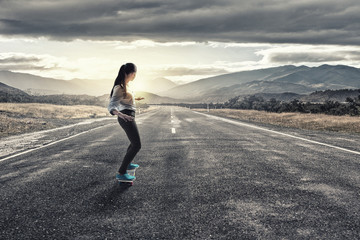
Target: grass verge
[294, 120]
[16, 118]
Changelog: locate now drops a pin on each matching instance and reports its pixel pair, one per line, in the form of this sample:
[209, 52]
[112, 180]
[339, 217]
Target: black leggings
[132, 133]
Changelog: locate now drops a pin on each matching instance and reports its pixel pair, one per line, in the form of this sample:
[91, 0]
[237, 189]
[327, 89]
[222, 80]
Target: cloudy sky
[181, 40]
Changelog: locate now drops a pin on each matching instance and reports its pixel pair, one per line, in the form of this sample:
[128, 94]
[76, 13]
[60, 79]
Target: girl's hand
[139, 98]
[124, 117]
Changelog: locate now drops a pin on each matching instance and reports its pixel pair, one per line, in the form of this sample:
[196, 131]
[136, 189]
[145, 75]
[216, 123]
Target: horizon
[214, 37]
[160, 77]
[164, 87]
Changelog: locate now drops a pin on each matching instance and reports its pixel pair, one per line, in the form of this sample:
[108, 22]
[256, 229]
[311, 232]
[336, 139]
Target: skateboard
[128, 182]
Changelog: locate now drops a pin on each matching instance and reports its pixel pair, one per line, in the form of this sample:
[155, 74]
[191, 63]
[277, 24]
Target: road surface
[201, 177]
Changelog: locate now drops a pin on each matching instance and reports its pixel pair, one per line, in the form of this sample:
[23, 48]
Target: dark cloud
[329, 56]
[17, 59]
[25, 67]
[23, 62]
[274, 21]
[304, 57]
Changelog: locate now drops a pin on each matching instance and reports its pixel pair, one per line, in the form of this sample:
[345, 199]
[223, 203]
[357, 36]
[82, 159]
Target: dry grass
[18, 118]
[294, 120]
[50, 111]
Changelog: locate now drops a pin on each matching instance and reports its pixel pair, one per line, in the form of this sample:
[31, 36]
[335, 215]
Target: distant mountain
[155, 86]
[25, 82]
[11, 94]
[254, 87]
[151, 98]
[299, 80]
[207, 85]
[324, 77]
[37, 85]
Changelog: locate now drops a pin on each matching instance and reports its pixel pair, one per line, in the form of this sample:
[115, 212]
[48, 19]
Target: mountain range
[299, 80]
[37, 85]
[10, 94]
[293, 80]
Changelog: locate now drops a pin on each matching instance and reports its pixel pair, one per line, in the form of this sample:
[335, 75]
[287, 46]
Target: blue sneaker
[132, 166]
[125, 178]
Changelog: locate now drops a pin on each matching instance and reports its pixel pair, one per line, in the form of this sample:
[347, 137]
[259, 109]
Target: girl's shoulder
[118, 88]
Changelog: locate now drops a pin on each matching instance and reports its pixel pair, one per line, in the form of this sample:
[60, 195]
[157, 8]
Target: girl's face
[130, 77]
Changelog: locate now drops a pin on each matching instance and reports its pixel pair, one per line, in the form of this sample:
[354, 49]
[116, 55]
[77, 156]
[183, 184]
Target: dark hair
[120, 79]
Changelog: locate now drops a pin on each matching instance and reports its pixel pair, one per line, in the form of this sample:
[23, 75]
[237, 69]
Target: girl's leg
[132, 133]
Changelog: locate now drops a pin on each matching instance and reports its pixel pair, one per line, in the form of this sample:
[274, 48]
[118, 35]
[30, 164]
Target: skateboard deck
[128, 182]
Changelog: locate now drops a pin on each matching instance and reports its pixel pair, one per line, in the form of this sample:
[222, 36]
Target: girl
[122, 105]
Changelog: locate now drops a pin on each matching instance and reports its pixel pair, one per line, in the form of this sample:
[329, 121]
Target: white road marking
[143, 116]
[173, 130]
[52, 143]
[280, 133]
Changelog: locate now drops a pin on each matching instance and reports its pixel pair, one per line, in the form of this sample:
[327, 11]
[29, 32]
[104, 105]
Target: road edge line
[63, 139]
[49, 144]
[276, 132]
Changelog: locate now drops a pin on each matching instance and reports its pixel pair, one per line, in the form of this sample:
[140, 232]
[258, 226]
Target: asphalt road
[201, 177]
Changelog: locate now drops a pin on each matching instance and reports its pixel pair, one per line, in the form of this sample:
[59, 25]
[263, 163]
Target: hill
[206, 86]
[37, 85]
[14, 95]
[10, 94]
[299, 80]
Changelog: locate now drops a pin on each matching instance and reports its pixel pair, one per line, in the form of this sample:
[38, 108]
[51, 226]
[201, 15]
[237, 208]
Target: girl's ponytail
[120, 79]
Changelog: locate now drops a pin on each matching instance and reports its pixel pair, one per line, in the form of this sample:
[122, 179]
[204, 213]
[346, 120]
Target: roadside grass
[16, 118]
[293, 120]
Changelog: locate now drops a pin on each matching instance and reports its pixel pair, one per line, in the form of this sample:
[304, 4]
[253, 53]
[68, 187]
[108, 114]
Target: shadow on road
[110, 199]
